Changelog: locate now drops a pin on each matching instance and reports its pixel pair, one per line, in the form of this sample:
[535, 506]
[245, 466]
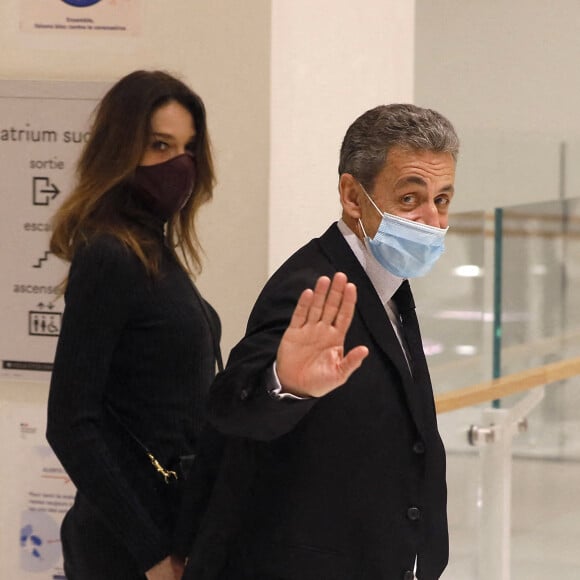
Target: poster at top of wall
[86, 17]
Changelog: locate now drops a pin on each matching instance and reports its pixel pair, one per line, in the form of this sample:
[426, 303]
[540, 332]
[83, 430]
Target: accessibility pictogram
[42, 323]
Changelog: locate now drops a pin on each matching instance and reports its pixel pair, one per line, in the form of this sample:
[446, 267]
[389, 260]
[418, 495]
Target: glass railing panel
[540, 316]
[454, 305]
[539, 310]
[540, 322]
[571, 250]
[545, 527]
[451, 306]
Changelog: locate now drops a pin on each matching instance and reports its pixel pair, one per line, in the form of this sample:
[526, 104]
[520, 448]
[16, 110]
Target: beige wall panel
[331, 61]
[222, 49]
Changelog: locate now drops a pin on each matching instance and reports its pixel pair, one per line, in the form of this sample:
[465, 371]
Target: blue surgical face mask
[405, 248]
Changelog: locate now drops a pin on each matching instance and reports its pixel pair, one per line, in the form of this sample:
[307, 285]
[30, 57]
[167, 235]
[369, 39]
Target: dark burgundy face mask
[165, 187]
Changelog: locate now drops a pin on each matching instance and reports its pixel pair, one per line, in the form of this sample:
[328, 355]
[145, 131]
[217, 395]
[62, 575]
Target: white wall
[331, 61]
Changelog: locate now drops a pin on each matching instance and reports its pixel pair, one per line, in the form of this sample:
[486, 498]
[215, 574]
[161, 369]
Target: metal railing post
[495, 441]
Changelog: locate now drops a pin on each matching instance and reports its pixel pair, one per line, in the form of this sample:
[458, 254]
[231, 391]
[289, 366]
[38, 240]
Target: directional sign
[43, 126]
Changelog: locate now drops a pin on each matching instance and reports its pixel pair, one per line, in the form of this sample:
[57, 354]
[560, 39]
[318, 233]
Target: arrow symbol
[53, 190]
[43, 191]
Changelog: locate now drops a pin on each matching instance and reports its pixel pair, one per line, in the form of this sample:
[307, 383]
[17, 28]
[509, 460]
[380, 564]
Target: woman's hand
[178, 565]
[171, 568]
[310, 360]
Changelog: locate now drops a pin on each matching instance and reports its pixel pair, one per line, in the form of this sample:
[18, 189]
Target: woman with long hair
[138, 344]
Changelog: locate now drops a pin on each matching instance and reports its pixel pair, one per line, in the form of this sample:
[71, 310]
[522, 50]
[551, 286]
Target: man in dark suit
[330, 388]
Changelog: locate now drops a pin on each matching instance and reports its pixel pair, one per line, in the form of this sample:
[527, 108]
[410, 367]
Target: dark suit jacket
[350, 486]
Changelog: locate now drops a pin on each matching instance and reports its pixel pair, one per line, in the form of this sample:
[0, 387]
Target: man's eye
[442, 201]
[409, 198]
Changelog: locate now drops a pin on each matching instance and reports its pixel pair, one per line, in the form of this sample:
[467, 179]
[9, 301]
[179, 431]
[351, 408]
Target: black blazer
[346, 487]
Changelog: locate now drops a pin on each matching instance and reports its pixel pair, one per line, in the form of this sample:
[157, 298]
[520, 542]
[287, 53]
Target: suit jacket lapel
[373, 313]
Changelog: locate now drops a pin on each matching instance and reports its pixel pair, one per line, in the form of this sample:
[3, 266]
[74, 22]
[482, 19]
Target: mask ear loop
[374, 205]
[371, 199]
[360, 225]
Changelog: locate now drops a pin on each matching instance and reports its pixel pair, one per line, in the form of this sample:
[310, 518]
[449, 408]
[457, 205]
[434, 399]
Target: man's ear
[350, 193]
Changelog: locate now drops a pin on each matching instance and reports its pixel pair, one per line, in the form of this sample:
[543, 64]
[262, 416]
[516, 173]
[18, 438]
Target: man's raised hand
[311, 360]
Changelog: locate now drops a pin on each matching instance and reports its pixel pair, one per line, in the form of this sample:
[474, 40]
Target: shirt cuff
[274, 386]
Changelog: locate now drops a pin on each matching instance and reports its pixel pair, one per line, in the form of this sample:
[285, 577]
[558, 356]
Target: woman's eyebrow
[161, 135]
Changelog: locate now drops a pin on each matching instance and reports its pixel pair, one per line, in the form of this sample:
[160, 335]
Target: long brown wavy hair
[101, 201]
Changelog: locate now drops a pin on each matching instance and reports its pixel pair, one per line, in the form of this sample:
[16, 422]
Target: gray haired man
[329, 388]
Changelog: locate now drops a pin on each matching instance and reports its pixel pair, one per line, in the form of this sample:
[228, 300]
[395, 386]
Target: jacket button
[419, 448]
[244, 394]
[413, 513]
[408, 575]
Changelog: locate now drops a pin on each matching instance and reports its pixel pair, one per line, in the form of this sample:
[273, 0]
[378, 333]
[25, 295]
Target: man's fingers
[353, 360]
[330, 301]
[320, 291]
[346, 311]
[334, 298]
[302, 308]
